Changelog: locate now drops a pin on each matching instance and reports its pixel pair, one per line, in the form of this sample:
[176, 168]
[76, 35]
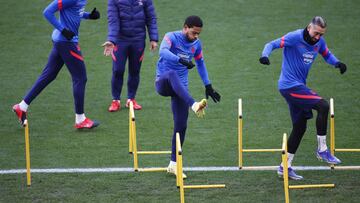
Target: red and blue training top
[298, 56]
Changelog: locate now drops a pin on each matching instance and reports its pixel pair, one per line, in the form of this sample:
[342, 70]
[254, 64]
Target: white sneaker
[172, 169]
[199, 108]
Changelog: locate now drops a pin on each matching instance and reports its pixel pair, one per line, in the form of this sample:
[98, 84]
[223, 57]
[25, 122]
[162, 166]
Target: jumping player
[300, 50]
[66, 50]
[176, 53]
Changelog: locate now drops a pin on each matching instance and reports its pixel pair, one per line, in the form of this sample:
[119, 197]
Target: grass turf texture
[233, 37]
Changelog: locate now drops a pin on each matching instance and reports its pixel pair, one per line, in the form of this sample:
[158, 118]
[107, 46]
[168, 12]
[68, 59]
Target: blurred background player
[176, 52]
[66, 50]
[300, 50]
[127, 22]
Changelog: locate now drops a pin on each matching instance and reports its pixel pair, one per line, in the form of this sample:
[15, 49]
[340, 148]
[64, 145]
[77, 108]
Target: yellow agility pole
[285, 166]
[179, 173]
[27, 153]
[131, 121]
[240, 132]
[240, 138]
[286, 175]
[133, 144]
[332, 133]
[133, 137]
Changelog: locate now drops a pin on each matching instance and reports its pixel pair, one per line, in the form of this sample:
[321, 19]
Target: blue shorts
[301, 101]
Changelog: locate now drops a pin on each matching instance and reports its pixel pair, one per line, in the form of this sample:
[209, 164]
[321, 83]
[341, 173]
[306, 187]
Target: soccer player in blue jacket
[300, 50]
[66, 50]
[176, 53]
[127, 23]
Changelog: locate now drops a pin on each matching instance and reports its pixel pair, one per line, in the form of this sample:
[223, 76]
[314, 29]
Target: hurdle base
[261, 150]
[347, 150]
[154, 152]
[152, 169]
[311, 186]
[204, 186]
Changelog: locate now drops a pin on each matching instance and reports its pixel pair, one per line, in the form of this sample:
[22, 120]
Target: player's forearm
[200, 64]
[49, 14]
[331, 59]
[269, 47]
[168, 55]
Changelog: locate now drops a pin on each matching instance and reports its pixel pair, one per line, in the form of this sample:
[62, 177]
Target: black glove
[264, 60]
[188, 64]
[209, 91]
[341, 66]
[67, 34]
[94, 14]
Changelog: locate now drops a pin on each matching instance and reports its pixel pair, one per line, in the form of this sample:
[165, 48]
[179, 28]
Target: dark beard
[308, 38]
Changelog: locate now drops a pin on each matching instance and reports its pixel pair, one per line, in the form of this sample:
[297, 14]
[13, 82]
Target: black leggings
[299, 128]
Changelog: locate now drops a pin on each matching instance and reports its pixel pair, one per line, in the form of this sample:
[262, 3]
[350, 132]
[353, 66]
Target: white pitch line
[204, 169]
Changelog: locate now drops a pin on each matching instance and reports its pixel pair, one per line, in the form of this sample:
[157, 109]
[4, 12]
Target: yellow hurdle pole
[332, 127]
[177, 158]
[312, 186]
[134, 143]
[179, 176]
[130, 131]
[27, 154]
[285, 168]
[240, 133]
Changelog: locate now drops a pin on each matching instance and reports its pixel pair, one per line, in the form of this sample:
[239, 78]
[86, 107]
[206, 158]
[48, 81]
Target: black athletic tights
[299, 128]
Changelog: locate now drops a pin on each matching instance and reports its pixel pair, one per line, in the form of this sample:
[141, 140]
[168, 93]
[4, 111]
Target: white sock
[321, 143]
[193, 107]
[23, 106]
[172, 163]
[79, 118]
[290, 159]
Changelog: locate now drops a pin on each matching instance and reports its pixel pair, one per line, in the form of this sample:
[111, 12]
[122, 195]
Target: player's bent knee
[322, 106]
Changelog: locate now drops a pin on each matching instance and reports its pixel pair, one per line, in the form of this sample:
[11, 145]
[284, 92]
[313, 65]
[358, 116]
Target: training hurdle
[241, 150]
[284, 157]
[179, 172]
[333, 149]
[133, 144]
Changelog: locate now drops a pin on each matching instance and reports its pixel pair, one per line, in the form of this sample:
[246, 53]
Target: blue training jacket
[71, 13]
[128, 19]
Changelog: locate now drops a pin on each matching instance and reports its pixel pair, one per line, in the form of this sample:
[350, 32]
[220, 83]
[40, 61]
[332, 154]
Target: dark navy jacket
[128, 19]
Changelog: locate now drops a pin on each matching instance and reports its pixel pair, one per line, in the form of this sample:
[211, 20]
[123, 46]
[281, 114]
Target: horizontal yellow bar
[204, 186]
[262, 150]
[347, 150]
[347, 167]
[152, 169]
[310, 186]
[154, 152]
